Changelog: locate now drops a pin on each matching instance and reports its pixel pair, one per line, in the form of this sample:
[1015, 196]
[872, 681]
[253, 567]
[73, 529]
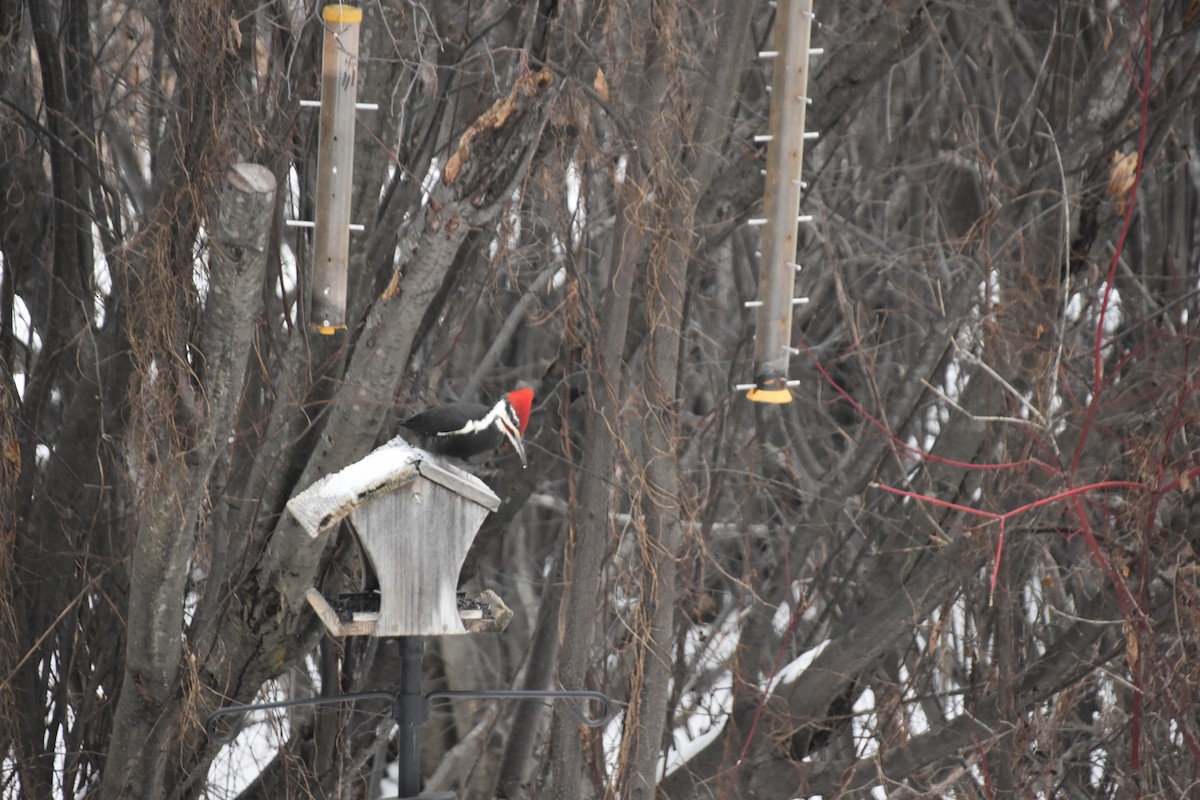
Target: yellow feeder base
[777, 396]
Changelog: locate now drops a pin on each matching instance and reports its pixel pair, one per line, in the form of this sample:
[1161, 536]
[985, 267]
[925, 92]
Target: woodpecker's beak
[514, 436]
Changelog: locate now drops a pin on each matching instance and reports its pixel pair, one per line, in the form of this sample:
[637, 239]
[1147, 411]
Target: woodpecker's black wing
[454, 430]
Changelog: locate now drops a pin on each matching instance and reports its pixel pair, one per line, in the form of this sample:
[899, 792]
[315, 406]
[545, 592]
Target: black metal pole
[410, 709]
[409, 712]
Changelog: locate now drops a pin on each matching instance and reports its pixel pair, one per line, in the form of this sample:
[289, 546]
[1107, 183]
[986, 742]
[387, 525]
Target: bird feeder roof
[321, 506]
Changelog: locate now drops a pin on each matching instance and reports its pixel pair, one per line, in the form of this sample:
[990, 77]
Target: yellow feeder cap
[336, 12]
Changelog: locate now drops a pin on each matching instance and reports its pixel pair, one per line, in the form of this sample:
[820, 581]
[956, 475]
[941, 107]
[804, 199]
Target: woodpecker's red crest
[467, 429]
[521, 401]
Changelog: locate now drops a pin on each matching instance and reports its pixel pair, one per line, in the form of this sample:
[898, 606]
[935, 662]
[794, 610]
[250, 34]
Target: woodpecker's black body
[434, 426]
[463, 430]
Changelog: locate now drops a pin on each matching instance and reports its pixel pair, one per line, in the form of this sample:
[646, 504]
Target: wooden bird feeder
[415, 519]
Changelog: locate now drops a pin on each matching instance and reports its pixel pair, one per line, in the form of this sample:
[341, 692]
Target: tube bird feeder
[335, 167]
[781, 202]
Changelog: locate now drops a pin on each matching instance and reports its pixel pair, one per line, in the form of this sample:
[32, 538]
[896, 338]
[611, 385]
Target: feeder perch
[415, 519]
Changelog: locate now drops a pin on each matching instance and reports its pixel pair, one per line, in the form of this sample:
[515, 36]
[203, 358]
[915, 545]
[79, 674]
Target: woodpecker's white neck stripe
[497, 417]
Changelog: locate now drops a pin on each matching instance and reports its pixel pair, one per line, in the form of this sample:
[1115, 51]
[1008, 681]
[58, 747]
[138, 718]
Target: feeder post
[335, 166]
[410, 713]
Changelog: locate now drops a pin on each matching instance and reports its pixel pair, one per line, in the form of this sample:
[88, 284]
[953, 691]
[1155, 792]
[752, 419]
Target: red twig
[1003, 517]
[1006, 515]
[1127, 222]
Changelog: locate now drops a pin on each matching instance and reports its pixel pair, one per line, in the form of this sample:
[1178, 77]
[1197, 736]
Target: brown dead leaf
[12, 453]
[1121, 177]
[392, 290]
[600, 84]
[234, 44]
[1131, 645]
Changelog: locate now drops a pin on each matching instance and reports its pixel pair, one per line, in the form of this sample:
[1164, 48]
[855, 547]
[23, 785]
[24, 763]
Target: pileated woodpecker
[463, 430]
